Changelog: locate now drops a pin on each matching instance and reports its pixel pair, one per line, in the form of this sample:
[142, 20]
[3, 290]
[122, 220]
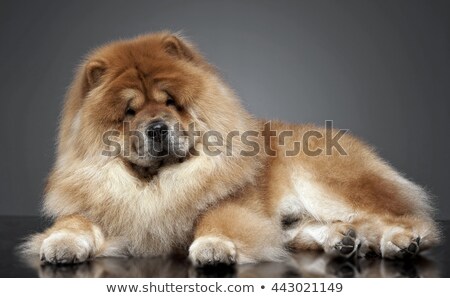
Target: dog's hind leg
[338, 238]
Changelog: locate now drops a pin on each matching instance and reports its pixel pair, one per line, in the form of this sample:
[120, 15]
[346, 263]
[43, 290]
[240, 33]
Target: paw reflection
[304, 264]
[314, 264]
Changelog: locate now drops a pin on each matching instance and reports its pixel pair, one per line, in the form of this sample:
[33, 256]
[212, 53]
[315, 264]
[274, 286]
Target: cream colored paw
[210, 250]
[342, 240]
[399, 243]
[67, 247]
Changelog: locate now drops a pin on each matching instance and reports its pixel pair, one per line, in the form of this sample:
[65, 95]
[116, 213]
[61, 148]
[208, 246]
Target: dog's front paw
[212, 250]
[63, 247]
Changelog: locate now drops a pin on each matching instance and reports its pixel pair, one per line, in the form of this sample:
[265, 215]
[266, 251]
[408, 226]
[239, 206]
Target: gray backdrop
[379, 68]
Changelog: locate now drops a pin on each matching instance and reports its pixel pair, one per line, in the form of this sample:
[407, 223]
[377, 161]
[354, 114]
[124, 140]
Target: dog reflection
[117, 267]
[304, 264]
[314, 264]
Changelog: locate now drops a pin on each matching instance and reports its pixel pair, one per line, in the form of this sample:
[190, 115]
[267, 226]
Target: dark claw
[351, 233]
[345, 250]
[346, 247]
[348, 241]
[411, 250]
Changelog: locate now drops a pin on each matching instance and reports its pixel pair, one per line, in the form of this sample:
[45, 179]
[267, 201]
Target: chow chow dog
[156, 156]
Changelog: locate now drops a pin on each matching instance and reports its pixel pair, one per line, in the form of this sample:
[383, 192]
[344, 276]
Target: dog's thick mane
[102, 189]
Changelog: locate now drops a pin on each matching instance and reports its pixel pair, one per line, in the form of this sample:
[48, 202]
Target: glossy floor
[435, 263]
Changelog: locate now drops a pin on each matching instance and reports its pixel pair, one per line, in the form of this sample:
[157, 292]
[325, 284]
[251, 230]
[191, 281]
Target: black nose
[157, 131]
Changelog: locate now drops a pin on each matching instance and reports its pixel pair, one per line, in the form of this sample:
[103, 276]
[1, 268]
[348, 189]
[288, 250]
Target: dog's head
[144, 99]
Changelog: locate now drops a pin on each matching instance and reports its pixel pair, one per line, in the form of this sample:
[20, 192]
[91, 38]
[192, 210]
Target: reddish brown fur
[231, 206]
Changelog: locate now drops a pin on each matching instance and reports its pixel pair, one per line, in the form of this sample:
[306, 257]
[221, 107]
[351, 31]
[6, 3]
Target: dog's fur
[226, 208]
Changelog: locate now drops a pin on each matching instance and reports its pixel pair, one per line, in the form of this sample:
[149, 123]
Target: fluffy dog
[157, 156]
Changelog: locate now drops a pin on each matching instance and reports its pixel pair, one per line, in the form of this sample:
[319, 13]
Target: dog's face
[146, 101]
[143, 95]
[153, 128]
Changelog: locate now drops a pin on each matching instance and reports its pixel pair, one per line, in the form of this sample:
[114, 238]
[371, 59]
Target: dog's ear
[177, 47]
[94, 72]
